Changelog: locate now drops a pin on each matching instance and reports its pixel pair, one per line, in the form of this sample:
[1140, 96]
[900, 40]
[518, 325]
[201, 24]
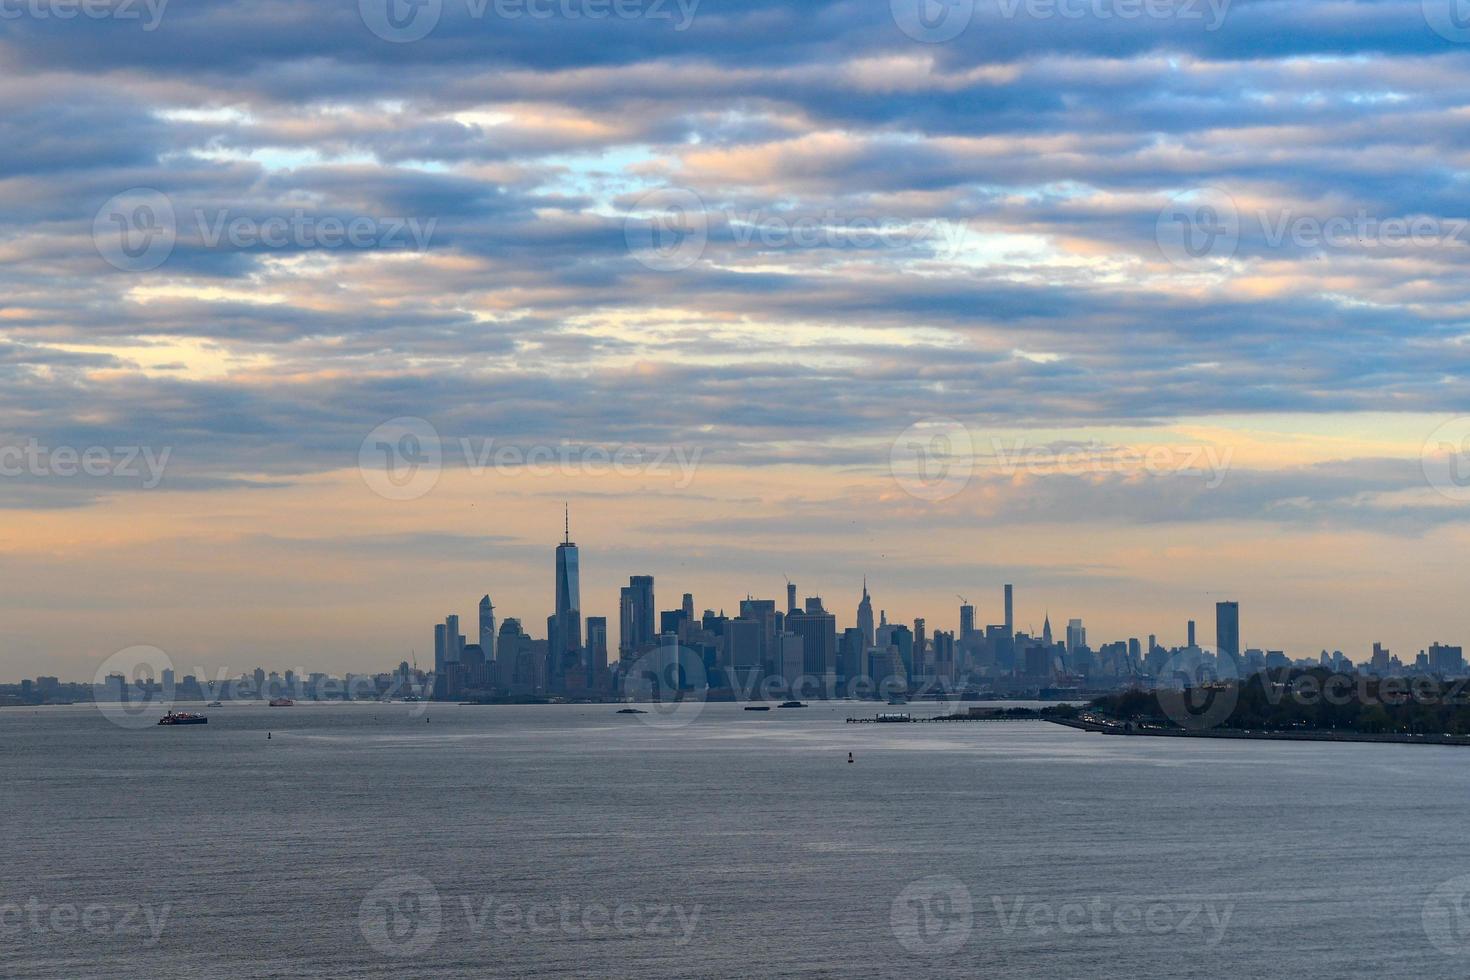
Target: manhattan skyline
[771, 238]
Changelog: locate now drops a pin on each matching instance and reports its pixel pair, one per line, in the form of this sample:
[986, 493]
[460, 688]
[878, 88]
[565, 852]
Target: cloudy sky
[314, 312]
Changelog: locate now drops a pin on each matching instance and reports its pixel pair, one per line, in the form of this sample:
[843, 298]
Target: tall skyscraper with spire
[566, 646]
[865, 616]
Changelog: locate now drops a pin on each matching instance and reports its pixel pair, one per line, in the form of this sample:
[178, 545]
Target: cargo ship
[183, 718]
[281, 702]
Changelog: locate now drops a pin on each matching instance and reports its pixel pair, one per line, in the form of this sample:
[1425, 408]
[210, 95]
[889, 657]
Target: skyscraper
[967, 619]
[596, 649]
[1076, 636]
[566, 644]
[791, 597]
[865, 615]
[818, 631]
[635, 616]
[1227, 630]
[487, 627]
[1010, 617]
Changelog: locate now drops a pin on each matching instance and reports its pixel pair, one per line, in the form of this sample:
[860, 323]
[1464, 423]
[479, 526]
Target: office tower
[453, 639]
[791, 597]
[1379, 662]
[850, 650]
[1010, 614]
[902, 638]
[817, 629]
[636, 620]
[967, 620]
[1227, 630]
[487, 627]
[1046, 631]
[791, 659]
[441, 661]
[1191, 634]
[596, 648]
[566, 640]
[920, 642]
[865, 615]
[1076, 635]
[1445, 660]
[943, 658]
[688, 607]
[741, 657]
[764, 612]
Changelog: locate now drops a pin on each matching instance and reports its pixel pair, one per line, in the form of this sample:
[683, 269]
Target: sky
[314, 314]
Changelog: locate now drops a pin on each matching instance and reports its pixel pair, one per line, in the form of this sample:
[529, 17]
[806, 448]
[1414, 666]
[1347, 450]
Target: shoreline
[1129, 729]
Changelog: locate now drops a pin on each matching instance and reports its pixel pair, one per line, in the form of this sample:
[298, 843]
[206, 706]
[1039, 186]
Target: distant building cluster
[772, 647]
[769, 648]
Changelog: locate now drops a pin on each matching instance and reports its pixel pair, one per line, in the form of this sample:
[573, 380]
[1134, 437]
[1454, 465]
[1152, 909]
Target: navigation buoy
[849, 757]
[267, 736]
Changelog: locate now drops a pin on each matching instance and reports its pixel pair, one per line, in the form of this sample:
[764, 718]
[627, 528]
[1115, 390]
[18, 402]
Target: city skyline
[903, 601]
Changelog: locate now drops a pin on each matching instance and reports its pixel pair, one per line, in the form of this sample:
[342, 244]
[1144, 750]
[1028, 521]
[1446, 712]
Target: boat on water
[215, 704]
[898, 700]
[631, 711]
[183, 718]
[757, 707]
[281, 702]
[792, 704]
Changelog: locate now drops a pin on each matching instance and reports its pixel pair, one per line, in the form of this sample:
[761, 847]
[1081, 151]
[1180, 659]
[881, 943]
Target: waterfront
[738, 844]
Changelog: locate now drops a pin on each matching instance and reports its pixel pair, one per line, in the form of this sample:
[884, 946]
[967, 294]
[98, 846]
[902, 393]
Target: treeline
[1315, 699]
